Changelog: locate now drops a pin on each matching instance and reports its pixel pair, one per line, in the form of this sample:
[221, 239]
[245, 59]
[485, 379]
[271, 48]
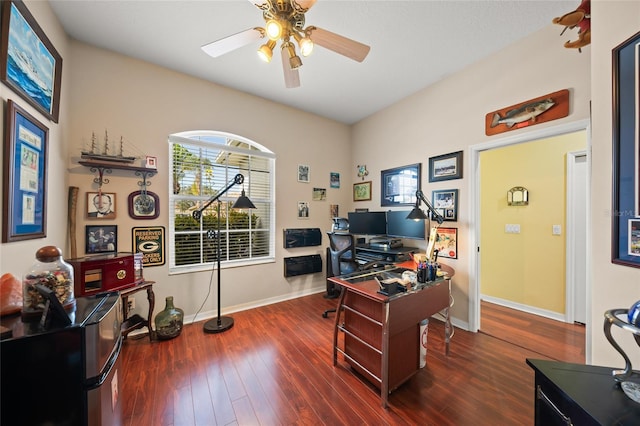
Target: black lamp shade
[417, 214]
[243, 202]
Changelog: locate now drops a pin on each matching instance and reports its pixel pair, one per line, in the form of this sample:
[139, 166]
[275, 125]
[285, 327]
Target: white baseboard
[524, 308]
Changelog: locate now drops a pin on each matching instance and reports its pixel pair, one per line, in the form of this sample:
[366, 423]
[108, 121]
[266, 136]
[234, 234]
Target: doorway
[475, 235]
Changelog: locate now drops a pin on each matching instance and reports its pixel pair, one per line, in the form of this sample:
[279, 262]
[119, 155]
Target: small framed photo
[334, 179]
[144, 205]
[303, 173]
[445, 167]
[101, 205]
[362, 191]
[101, 239]
[447, 242]
[303, 210]
[151, 162]
[445, 202]
[319, 194]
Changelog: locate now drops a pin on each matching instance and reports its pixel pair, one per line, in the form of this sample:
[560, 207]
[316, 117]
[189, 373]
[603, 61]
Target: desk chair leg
[325, 314]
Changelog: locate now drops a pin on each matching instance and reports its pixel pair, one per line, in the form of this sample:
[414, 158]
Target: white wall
[17, 257]
[449, 116]
[614, 286]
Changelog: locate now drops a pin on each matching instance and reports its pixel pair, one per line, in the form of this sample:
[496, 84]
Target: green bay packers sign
[150, 242]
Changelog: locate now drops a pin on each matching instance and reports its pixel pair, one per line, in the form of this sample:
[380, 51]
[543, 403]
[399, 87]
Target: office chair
[341, 259]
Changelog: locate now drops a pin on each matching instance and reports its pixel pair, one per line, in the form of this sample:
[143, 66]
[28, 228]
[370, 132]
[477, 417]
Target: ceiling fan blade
[305, 4]
[232, 42]
[291, 77]
[345, 46]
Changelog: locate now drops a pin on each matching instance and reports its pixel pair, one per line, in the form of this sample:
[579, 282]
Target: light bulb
[274, 29]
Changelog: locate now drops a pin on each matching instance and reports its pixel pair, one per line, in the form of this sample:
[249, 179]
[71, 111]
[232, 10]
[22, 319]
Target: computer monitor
[367, 223]
[399, 226]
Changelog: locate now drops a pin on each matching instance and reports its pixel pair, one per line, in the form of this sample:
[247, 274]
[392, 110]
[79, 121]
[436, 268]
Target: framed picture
[303, 173]
[101, 239]
[101, 205]
[334, 180]
[150, 242]
[143, 205]
[399, 185]
[362, 191]
[445, 202]
[447, 242]
[625, 218]
[24, 176]
[303, 210]
[319, 194]
[151, 162]
[29, 64]
[445, 167]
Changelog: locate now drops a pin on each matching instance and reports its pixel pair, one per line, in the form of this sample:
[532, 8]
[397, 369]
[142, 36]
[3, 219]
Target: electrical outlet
[131, 302]
[556, 230]
[512, 228]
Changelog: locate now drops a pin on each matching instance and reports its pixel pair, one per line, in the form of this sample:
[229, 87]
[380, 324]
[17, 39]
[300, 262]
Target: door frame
[474, 203]
[570, 234]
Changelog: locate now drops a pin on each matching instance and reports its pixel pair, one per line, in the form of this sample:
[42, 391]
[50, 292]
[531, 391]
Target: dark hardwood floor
[274, 367]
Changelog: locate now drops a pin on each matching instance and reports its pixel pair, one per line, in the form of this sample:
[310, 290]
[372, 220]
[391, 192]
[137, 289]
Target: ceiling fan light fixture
[274, 29]
[305, 43]
[294, 60]
[265, 52]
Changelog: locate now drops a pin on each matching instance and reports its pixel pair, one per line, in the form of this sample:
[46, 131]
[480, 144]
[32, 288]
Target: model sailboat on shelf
[106, 155]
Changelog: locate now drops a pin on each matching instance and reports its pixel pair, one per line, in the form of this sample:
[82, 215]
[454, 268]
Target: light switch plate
[512, 228]
[557, 230]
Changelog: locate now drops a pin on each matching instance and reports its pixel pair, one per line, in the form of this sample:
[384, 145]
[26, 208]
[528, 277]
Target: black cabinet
[576, 394]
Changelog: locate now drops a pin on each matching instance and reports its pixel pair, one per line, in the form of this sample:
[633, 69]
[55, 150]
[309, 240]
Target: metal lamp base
[218, 325]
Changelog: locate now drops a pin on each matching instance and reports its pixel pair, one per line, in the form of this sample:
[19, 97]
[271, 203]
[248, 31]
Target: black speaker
[301, 265]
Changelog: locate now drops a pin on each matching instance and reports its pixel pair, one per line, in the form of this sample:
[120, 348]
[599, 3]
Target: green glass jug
[169, 321]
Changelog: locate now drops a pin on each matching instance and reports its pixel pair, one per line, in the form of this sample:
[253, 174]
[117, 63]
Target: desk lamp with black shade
[220, 324]
[417, 214]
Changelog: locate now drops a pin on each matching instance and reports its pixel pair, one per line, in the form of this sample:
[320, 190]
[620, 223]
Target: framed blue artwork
[29, 64]
[24, 176]
[625, 217]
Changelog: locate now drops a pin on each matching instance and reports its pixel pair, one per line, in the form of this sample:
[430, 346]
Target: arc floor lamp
[222, 323]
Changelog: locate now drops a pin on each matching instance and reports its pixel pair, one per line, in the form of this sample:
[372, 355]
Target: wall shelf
[102, 167]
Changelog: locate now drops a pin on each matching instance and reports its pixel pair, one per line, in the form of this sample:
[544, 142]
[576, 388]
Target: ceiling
[413, 44]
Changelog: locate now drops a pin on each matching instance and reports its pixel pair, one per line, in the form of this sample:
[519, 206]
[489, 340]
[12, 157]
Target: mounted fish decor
[539, 110]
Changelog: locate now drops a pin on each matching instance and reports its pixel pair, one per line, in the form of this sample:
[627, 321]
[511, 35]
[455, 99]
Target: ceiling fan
[285, 21]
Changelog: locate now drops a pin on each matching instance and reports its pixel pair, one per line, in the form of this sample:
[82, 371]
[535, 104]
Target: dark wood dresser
[577, 394]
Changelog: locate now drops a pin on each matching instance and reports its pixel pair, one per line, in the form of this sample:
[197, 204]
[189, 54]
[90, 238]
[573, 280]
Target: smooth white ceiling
[413, 44]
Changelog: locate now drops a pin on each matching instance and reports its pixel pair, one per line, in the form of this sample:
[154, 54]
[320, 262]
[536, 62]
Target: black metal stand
[219, 324]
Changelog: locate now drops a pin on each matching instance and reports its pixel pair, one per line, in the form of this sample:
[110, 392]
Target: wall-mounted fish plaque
[535, 111]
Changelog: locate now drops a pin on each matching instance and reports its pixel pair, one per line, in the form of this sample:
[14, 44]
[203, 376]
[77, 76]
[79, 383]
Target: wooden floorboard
[274, 367]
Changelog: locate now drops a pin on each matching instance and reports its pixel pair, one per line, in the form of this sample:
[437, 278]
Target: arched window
[203, 164]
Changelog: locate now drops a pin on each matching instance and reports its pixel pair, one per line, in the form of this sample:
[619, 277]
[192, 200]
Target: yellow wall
[526, 268]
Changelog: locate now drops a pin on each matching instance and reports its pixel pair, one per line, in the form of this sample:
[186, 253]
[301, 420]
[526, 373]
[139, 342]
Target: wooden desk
[136, 321]
[382, 333]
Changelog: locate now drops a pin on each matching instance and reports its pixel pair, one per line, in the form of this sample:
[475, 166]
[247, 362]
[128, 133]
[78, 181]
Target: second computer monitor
[367, 223]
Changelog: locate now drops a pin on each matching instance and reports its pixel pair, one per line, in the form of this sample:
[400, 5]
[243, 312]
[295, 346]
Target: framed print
[362, 191]
[149, 241]
[303, 210]
[26, 140]
[445, 167]
[101, 239]
[143, 205]
[334, 180]
[447, 242]
[399, 185]
[445, 202]
[625, 215]
[319, 194]
[303, 173]
[151, 162]
[101, 205]
[29, 64]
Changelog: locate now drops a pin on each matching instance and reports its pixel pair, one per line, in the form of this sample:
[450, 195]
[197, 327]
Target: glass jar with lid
[51, 271]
